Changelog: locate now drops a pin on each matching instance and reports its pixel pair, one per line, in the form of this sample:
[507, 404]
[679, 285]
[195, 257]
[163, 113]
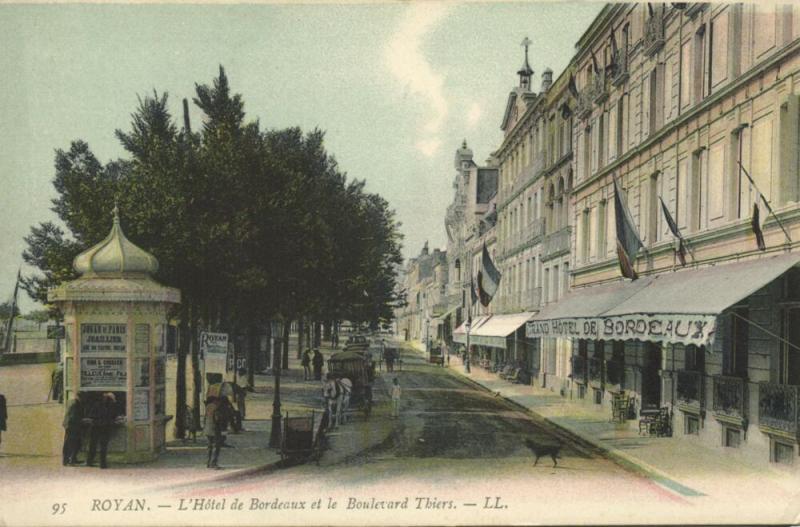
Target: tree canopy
[249, 223]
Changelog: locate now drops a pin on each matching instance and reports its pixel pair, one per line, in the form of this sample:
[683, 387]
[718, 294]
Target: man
[215, 423]
[306, 362]
[318, 361]
[103, 415]
[395, 393]
[72, 431]
[241, 387]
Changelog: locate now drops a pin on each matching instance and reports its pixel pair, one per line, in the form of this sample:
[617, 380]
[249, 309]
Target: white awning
[495, 329]
[460, 334]
[677, 307]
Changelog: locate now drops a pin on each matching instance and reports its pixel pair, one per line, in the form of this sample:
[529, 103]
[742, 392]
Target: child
[395, 398]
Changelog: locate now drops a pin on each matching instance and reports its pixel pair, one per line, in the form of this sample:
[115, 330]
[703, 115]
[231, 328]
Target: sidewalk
[686, 468]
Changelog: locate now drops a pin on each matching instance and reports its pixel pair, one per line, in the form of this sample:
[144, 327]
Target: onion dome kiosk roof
[116, 327]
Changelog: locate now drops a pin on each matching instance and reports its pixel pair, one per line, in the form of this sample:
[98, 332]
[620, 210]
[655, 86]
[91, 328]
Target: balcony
[730, 397]
[654, 33]
[598, 92]
[778, 407]
[556, 243]
[690, 388]
[535, 231]
[621, 73]
[579, 368]
[596, 369]
[583, 108]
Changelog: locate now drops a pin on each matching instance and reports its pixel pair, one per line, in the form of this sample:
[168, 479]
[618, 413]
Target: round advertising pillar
[115, 317]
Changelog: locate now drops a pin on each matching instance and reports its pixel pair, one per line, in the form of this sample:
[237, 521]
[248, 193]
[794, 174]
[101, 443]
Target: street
[457, 450]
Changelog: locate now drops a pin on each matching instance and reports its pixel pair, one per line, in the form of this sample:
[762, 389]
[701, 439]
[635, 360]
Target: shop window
[733, 437]
[782, 453]
[598, 396]
[581, 391]
[691, 425]
[695, 358]
[789, 359]
[734, 359]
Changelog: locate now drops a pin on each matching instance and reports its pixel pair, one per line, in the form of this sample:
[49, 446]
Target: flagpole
[766, 202]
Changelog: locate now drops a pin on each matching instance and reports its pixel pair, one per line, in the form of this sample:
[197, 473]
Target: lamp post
[275, 432]
[466, 355]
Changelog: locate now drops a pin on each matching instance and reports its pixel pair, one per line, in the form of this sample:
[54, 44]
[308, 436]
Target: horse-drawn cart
[356, 366]
[303, 437]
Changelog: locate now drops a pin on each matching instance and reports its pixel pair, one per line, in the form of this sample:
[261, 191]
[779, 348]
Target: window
[695, 191]
[761, 155]
[719, 48]
[587, 152]
[694, 358]
[699, 65]
[555, 284]
[611, 227]
[546, 285]
[782, 453]
[585, 235]
[734, 359]
[789, 359]
[733, 437]
[654, 214]
[764, 34]
[565, 281]
[620, 126]
[716, 188]
[601, 229]
[686, 74]
[601, 141]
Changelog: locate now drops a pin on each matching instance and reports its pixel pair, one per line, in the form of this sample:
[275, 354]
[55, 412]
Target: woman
[318, 361]
[306, 362]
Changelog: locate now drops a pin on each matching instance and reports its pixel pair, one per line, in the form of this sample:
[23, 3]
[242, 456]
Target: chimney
[547, 79]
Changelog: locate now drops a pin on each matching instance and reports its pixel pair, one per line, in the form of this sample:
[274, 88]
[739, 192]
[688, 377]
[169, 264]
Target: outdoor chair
[514, 376]
[620, 403]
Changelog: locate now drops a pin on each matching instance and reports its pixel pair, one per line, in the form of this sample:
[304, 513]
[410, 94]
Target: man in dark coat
[318, 362]
[72, 430]
[215, 423]
[103, 415]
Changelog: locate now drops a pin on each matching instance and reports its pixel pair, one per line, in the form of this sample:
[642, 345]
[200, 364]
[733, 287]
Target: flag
[650, 10]
[488, 278]
[755, 223]
[573, 89]
[628, 241]
[680, 250]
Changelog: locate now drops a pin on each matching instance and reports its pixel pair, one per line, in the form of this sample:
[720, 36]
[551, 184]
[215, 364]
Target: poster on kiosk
[214, 350]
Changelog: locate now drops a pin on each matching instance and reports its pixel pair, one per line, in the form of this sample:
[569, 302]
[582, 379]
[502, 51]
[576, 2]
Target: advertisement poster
[103, 338]
[103, 372]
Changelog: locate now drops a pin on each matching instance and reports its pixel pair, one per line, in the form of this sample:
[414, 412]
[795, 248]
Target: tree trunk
[252, 345]
[287, 331]
[317, 334]
[198, 381]
[328, 331]
[180, 381]
[300, 330]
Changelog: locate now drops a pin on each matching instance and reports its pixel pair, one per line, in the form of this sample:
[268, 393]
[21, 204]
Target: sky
[396, 87]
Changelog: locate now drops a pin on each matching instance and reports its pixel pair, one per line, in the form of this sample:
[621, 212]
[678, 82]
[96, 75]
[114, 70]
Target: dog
[543, 450]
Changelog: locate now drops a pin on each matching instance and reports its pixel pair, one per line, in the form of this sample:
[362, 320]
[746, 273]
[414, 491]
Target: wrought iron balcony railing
[620, 72]
[690, 387]
[654, 32]
[778, 407]
[730, 396]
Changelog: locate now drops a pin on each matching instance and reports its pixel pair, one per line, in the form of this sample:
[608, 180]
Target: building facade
[672, 100]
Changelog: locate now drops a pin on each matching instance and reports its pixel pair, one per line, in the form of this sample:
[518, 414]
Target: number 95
[59, 508]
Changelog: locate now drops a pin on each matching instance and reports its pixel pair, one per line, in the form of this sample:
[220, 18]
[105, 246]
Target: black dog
[543, 450]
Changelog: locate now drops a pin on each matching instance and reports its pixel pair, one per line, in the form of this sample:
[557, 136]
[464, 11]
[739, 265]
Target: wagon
[356, 343]
[356, 366]
[303, 437]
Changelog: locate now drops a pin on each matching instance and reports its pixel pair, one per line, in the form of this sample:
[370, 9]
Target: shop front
[713, 348]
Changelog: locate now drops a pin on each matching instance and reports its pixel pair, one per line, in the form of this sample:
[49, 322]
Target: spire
[525, 72]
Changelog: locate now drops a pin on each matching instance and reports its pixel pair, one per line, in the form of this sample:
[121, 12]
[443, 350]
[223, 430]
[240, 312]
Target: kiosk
[115, 317]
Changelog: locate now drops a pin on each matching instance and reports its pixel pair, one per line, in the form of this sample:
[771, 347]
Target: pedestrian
[72, 430]
[57, 384]
[395, 398]
[213, 428]
[241, 387]
[306, 362]
[330, 394]
[390, 360]
[3, 416]
[103, 414]
[318, 360]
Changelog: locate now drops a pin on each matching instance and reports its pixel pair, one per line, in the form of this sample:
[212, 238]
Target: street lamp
[276, 327]
[467, 326]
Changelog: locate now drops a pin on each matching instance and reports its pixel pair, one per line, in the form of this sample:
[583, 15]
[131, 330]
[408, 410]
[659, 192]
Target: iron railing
[730, 396]
[778, 406]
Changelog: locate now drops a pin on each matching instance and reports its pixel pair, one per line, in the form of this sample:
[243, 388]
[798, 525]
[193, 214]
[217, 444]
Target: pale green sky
[396, 86]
